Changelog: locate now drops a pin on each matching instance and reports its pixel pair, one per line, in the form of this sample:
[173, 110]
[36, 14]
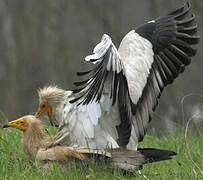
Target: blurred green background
[44, 42]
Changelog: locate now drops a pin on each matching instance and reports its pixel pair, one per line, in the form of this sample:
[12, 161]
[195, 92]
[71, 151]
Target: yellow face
[43, 107]
[19, 124]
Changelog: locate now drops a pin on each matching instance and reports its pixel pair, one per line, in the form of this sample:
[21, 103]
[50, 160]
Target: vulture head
[25, 123]
[50, 100]
[33, 136]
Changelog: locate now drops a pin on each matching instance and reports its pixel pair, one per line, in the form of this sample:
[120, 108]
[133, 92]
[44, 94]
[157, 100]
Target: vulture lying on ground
[36, 145]
[114, 105]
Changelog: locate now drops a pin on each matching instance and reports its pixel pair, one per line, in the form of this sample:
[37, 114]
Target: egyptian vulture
[114, 105]
[36, 145]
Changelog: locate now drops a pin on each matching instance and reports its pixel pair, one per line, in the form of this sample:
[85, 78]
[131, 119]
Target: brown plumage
[34, 138]
[37, 144]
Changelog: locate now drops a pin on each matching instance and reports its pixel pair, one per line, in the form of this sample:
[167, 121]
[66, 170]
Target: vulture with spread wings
[114, 105]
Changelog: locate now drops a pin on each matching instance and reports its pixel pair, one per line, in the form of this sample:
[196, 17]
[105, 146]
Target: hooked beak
[19, 123]
[6, 126]
[40, 111]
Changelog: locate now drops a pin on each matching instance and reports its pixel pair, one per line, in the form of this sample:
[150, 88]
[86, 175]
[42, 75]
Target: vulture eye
[18, 123]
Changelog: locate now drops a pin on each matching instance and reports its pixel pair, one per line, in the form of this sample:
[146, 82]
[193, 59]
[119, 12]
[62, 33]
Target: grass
[188, 164]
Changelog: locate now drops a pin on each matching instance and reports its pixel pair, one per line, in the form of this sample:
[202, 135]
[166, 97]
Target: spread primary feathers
[114, 105]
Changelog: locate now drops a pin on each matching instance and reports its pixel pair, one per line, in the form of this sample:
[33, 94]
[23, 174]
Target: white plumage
[79, 126]
[137, 55]
[115, 104]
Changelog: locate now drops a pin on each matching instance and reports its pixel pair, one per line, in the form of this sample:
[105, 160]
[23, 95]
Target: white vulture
[36, 145]
[114, 106]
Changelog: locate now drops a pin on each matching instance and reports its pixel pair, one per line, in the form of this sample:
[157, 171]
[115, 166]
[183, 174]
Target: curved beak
[6, 125]
[42, 110]
[39, 113]
[19, 123]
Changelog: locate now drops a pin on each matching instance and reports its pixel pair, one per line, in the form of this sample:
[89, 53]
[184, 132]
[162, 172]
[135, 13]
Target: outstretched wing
[149, 58]
[171, 37]
[108, 86]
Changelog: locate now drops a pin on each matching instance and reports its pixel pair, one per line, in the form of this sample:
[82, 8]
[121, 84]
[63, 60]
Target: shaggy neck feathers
[53, 95]
[34, 138]
[56, 98]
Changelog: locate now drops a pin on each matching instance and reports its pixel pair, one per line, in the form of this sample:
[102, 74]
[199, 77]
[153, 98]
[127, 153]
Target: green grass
[188, 164]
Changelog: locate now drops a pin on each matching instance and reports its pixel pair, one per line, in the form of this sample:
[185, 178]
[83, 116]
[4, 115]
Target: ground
[188, 164]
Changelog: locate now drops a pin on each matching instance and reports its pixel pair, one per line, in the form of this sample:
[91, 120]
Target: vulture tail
[133, 160]
[124, 159]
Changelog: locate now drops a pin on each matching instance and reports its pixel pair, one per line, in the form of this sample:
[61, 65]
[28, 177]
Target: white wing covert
[149, 58]
[80, 127]
[107, 81]
[171, 37]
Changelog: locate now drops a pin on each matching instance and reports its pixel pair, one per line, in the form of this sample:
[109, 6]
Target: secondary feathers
[114, 105]
[148, 59]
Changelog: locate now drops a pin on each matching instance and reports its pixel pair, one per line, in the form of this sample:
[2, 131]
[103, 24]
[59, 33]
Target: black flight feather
[187, 22]
[172, 37]
[188, 30]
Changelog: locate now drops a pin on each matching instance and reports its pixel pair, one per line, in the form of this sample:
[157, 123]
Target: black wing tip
[188, 5]
[157, 154]
[72, 101]
[181, 9]
[192, 30]
[197, 39]
[76, 99]
[80, 73]
[74, 91]
[83, 73]
[81, 83]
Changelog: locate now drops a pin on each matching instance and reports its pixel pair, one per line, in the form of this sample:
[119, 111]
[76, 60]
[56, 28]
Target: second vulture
[114, 105]
[36, 145]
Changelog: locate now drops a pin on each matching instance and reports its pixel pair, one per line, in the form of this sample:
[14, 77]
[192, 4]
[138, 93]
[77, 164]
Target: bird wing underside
[171, 38]
[107, 77]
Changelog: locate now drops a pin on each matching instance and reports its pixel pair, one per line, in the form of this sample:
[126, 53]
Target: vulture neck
[34, 138]
[58, 109]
